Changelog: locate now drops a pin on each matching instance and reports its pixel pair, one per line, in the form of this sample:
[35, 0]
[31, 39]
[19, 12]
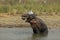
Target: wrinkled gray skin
[39, 27]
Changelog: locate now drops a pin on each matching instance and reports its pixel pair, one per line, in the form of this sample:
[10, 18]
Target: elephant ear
[33, 21]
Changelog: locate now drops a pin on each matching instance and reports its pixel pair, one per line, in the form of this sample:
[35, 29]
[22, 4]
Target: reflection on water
[38, 37]
[27, 34]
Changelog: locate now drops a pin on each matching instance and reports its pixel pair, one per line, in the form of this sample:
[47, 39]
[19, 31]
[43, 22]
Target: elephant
[38, 25]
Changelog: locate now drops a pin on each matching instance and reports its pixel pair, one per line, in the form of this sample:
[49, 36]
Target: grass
[37, 7]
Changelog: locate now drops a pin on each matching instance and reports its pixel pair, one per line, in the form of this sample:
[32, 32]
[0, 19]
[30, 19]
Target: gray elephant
[38, 26]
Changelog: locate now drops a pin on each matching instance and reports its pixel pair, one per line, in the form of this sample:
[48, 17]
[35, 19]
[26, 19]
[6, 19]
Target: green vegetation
[45, 7]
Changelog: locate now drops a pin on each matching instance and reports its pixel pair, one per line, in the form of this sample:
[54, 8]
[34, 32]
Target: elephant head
[28, 17]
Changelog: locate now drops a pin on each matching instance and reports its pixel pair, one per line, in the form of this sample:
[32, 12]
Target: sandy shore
[16, 21]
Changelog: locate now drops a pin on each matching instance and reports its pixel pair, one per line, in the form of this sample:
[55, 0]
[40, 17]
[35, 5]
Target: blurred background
[40, 7]
[11, 11]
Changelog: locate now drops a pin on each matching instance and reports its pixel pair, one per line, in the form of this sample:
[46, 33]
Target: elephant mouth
[33, 21]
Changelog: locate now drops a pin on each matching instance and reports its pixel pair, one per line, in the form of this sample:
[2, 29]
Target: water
[27, 34]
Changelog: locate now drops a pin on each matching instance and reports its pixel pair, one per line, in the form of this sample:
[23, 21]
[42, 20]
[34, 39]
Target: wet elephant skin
[38, 26]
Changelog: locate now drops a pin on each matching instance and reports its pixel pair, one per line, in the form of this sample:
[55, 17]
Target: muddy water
[27, 34]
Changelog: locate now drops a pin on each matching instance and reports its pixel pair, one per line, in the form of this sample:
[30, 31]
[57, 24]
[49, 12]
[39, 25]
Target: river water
[27, 34]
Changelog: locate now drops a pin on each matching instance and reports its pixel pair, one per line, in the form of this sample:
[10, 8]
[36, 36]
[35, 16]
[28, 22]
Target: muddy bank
[16, 21]
[14, 25]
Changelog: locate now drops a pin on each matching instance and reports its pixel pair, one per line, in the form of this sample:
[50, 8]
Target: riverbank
[16, 21]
